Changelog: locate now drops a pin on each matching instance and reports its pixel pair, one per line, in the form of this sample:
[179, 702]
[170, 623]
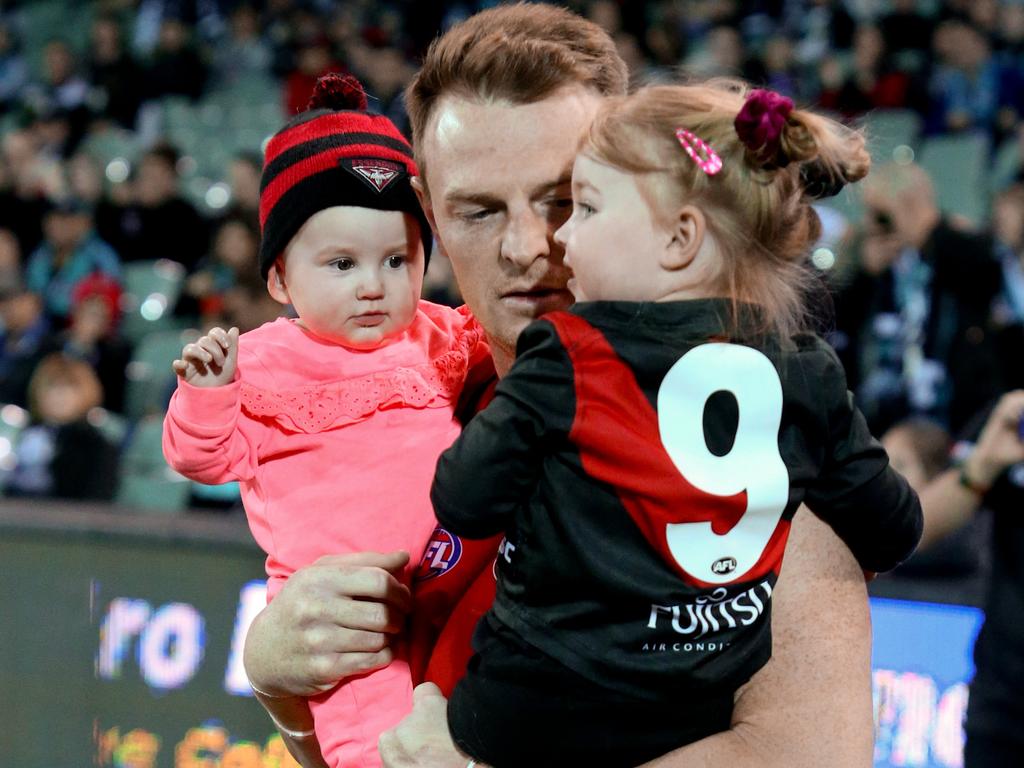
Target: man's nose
[527, 238]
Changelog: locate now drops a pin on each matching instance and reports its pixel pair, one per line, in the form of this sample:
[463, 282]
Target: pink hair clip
[700, 152]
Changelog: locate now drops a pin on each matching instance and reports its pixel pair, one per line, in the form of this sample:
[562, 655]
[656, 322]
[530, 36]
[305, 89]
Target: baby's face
[613, 242]
[354, 275]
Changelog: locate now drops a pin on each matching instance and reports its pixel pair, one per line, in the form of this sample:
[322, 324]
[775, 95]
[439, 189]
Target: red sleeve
[454, 587]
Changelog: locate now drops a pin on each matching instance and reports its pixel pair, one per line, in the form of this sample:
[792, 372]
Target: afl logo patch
[724, 565]
[441, 555]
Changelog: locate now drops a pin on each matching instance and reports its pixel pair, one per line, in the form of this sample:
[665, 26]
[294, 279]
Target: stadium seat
[958, 166]
[1006, 165]
[147, 483]
[149, 374]
[151, 289]
[891, 128]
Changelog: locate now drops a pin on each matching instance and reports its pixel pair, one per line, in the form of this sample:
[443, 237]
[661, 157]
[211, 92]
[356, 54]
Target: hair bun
[334, 91]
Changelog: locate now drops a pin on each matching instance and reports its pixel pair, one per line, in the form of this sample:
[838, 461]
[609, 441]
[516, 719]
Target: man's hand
[422, 739]
[331, 620]
[210, 361]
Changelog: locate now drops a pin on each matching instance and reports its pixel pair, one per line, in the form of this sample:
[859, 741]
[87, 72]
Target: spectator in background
[157, 223]
[24, 341]
[722, 55]
[62, 455]
[913, 320]
[62, 86]
[873, 83]
[970, 91]
[71, 251]
[234, 255]
[313, 60]
[247, 305]
[822, 26]
[85, 179]
[13, 71]
[92, 336]
[1010, 39]
[990, 475]
[62, 94]
[1008, 312]
[176, 67]
[21, 203]
[243, 54]
[244, 180]
[906, 28]
[10, 261]
[115, 76]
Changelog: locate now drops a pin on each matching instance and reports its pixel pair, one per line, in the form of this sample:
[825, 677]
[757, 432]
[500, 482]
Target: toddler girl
[332, 422]
[648, 449]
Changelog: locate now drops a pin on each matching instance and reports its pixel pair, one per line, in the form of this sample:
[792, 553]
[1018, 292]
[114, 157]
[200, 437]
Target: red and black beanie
[335, 153]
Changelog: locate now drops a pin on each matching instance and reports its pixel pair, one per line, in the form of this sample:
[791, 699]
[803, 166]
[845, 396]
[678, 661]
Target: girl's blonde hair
[758, 207]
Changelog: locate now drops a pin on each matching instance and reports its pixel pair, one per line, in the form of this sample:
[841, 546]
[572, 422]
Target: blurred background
[130, 152]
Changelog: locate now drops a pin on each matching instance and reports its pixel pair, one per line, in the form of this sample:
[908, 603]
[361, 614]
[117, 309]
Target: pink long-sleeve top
[334, 448]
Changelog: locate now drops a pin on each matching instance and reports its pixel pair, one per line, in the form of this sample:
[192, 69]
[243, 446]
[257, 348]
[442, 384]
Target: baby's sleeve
[870, 505]
[204, 438]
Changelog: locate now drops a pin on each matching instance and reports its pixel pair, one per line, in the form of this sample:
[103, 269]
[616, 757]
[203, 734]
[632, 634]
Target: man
[497, 112]
[916, 310]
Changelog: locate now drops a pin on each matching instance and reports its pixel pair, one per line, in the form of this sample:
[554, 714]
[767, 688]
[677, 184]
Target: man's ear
[687, 230]
[423, 195]
[276, 286]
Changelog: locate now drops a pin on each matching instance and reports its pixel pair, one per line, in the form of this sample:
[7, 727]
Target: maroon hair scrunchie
[759, 125]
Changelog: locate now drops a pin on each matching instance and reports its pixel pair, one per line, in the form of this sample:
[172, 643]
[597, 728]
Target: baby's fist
[210, 361]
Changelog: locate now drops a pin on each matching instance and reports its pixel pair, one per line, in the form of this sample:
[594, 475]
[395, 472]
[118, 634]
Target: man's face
[499, 186]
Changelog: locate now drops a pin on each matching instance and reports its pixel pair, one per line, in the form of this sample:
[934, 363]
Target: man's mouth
[537, 301]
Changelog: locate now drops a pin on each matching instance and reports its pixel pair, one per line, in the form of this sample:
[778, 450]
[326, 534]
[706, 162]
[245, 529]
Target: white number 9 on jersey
[753, 465]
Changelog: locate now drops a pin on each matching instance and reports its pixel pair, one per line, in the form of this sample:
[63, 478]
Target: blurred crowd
[130, 156]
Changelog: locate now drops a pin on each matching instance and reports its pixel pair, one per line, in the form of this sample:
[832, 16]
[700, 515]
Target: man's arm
[809, 706]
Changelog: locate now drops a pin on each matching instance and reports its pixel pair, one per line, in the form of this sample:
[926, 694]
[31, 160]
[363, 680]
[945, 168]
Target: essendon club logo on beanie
[377, 174]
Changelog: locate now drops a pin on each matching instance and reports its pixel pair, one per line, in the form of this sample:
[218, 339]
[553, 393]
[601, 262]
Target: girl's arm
[493, 467]
[868, 504]
[202, 439]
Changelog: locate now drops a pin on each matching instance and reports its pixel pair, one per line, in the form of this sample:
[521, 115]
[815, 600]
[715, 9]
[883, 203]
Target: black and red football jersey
[644, 461]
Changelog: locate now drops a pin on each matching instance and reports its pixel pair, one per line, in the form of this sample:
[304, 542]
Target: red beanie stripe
[320, 144]
[332, 123]
[323, 161]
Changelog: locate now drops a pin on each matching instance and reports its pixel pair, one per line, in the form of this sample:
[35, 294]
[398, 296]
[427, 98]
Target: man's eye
[395, 261]
[343, 264]
[560, 202]
[480, 215]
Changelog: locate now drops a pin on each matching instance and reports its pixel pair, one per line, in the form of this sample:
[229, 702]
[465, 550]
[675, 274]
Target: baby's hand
[210, 361]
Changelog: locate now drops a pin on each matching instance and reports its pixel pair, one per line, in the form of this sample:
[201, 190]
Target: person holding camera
[990, 475]
[913, 318]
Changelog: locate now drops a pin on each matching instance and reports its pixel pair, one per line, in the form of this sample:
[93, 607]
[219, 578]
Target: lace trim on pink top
[319, 407]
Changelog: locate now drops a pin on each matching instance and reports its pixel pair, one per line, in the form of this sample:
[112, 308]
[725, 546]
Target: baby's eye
[343, 264]
[585, 209]
[395, 261]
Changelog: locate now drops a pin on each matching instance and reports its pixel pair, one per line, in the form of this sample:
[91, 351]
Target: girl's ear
[687, 232]
[276, 286]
